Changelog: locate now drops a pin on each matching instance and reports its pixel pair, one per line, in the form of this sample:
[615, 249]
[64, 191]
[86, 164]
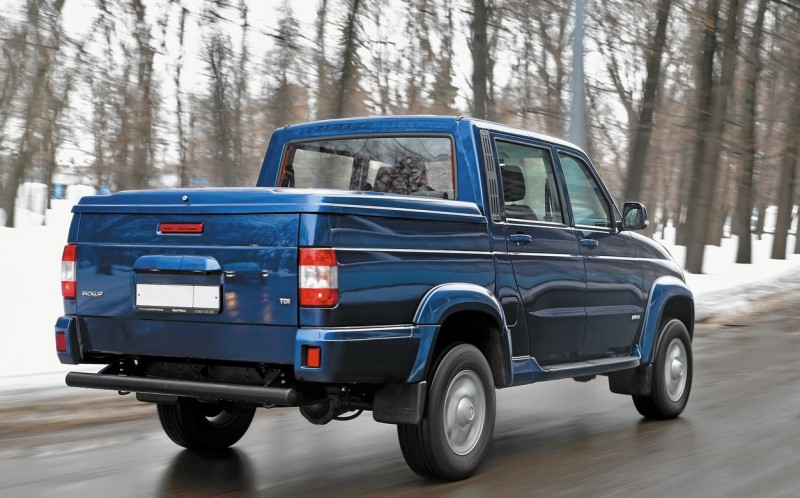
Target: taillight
[318, 278]
[69, 284]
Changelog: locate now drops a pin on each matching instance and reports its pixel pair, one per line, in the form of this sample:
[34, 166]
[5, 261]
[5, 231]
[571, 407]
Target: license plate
[192, 299]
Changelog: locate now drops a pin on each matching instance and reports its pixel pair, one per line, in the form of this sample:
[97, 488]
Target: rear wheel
[204, 426]
[672, 374]
[453, 437]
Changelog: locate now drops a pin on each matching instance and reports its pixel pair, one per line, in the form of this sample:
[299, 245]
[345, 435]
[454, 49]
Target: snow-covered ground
[30, 258]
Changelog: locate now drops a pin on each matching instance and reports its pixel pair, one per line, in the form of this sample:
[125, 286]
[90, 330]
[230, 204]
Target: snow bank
[729, 288]
[30, 260]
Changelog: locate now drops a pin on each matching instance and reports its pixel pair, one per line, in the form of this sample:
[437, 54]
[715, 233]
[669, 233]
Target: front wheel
[204, 426]
[672, 374]
[453, 437]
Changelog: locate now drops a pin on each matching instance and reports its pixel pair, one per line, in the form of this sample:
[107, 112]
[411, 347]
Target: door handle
[590, 243]
[520, 238]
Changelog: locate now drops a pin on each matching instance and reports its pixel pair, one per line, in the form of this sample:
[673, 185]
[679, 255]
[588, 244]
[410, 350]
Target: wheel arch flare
[449, 305]
[670, 297]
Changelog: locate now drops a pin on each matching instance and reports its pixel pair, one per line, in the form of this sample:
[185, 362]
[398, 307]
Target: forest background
[691, 106]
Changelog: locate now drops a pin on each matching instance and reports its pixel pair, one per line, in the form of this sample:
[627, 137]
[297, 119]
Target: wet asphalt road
[739, 436]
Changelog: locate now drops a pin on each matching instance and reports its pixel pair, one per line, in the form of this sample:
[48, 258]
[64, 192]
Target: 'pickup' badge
[92, 294]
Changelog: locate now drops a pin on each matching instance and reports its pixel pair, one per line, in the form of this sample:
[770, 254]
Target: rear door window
[528, 183]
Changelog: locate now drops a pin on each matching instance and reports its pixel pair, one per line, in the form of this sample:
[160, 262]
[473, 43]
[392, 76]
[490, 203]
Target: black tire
[461, 398]
[204, 426]
[672, 374]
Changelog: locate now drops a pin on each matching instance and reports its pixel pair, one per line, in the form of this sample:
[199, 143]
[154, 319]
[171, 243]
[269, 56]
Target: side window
[589, 206]
[528, 183]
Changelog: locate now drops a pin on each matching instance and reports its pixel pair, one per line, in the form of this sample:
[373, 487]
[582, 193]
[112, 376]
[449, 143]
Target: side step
[527, 370]
[224, 392]
[602, 365]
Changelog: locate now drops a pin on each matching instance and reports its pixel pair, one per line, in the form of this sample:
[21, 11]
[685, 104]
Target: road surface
[739, 436]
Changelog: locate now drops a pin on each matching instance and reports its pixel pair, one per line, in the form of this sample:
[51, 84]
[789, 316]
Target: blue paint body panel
[406, 265]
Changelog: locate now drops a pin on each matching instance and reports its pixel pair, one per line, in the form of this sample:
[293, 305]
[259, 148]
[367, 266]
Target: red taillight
[318, 278]
[69, 284]
[61, 342]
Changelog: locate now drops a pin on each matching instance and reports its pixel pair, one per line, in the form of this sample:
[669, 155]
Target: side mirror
[634, 216]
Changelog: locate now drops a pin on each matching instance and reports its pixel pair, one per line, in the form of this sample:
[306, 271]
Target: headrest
[383, 178]
[513, 183]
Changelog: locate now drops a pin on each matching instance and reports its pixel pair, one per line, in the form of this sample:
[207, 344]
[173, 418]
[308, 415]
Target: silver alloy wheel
[675, 365]
[464, 412]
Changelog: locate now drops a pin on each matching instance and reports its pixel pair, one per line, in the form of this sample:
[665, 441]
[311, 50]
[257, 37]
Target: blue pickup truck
[407, 266]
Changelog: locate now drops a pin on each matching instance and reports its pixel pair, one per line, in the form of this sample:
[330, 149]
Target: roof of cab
[414, 123]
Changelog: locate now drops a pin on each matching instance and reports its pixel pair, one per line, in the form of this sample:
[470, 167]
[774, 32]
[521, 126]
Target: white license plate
[197, 299]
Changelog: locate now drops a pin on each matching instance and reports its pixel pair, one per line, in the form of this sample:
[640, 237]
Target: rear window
[401, 165]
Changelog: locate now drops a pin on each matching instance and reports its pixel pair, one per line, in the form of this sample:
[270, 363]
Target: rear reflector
[180, 227]
[69, 284]
[312, 357]
[318, 278]
[61, 342]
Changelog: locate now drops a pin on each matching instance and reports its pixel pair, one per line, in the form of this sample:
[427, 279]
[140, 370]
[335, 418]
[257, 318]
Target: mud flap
[634, 381]
[400, 403]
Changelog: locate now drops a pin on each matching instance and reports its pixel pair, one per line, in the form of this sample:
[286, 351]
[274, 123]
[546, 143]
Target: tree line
[693, 106]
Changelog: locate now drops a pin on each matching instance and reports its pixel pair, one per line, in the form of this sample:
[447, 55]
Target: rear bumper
[380, 355]
[376, 355]
[204, 390]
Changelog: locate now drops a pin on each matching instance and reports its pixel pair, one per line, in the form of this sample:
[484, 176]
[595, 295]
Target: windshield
[400, 165]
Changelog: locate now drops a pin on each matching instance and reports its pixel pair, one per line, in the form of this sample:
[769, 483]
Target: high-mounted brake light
[69, 283]
[180, 227]
[318, 278]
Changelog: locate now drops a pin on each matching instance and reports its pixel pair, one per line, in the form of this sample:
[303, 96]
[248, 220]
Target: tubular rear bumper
[205, 390]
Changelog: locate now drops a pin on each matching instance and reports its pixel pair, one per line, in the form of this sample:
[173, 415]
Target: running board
[527, 370]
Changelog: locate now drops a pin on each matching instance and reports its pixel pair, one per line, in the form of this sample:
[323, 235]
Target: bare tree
[287, 99]
[443, 93]
[744, 200]
[219, 59]
[322, 64]
[642, 132]
[34, 48]
[539, 39]
[144, 102]
[479, 47]
[183, 170]
[712, 105]
[790, 149]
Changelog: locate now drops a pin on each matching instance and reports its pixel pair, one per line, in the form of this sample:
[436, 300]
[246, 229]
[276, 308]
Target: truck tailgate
[214, 268]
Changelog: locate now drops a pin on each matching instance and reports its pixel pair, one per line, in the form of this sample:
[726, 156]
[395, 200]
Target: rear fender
[440, 303]
[663, 291]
